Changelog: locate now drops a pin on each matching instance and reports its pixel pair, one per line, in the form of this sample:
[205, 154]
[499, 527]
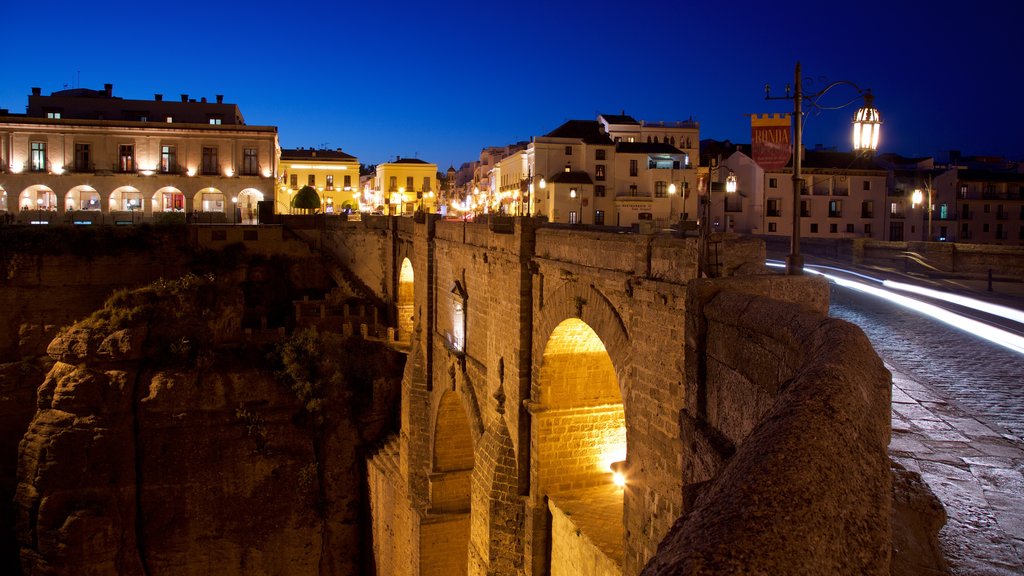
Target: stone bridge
[541, 429]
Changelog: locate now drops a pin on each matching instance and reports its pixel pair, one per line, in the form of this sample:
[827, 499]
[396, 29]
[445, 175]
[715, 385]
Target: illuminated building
[982, 206]
[613, 171]
[405, 186]
[333, 173]
[86, 156]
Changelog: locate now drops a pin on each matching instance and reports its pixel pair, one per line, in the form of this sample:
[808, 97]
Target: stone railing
[784, 437]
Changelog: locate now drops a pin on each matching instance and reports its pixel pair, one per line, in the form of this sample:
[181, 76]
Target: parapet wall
[785, 442]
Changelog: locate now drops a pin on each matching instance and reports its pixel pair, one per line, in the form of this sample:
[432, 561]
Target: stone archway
[168, 199]
[406, 301]
[445, 536]
[248, 203]
[82, 198]
[496, 539]
[579, 452]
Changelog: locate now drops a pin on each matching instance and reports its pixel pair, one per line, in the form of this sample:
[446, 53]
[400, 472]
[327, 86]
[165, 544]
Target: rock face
[159, 446]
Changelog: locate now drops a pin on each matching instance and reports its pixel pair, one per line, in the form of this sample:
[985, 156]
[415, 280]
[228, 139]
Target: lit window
[126, 157]
[599, 172]
[37, 158]
[53, 115]
[168, 159]
[170, 119]
[330, 182]
[216, 121]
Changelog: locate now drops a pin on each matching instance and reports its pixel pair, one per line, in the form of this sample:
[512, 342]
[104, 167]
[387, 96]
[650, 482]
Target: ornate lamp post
[866, 125]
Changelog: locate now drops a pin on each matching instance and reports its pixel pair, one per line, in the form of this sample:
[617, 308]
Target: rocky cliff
[162, 445]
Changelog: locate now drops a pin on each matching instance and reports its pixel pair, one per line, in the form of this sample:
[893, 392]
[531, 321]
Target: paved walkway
[976, 470]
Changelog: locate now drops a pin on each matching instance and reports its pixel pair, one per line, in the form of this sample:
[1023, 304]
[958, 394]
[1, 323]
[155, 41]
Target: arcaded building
[86, 156]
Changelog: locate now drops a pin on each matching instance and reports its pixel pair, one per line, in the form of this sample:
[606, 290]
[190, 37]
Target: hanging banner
[770, 141]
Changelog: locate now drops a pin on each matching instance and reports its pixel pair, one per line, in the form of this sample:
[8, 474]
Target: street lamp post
[704, 263]
[916, 199]
[866, 126]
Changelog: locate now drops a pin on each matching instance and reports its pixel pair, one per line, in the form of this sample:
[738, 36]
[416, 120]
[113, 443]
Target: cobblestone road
[958, 418]
[983, 379]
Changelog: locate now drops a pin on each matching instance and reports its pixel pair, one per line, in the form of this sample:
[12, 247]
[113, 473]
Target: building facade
[85, 156]
[403, 187]
[613, 171]
[977, 206]
[333, 173]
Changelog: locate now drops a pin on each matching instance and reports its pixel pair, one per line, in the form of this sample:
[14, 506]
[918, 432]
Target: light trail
[966, 301]
[969, 325]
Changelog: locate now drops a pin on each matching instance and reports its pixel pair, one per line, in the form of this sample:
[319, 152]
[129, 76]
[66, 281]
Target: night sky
[441, 80]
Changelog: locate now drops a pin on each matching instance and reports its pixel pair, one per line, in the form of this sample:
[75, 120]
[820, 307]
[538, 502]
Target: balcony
[774, 213]
[82, 168]
[835, 214]
[897, 215]
[841, 192]
[867, 214]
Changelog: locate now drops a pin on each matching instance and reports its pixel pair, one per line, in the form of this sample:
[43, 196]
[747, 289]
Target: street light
[866, 125]
[705, 229]
[573, 194]
[916, 199]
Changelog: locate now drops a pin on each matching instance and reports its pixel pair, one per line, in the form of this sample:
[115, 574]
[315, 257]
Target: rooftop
[587, 131]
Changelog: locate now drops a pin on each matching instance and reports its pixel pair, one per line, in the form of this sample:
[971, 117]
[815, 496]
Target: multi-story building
[86, 156]
[333, 173]
[843, 195]
[613, 171]
[977, 206]
[404, 186]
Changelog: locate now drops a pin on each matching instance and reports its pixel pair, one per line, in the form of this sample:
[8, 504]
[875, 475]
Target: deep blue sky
[441, 80]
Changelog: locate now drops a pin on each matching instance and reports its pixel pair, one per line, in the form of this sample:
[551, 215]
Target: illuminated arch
[210, 199]
[578, 444]
[405, 303]
[168, 199]
[37, 197]
[248, 204]
[125, 199]
[452, 469]
[82, 197]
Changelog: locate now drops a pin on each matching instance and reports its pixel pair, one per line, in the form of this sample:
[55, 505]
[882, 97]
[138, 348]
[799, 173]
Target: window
[408, 184]
[867, 209]
[773, 182]
[294, 180]
[867, 184]
[772, 227]
[963, 190]
[393, 184]
[568, 150]
[835, 208]
[573, 217]
[632, 189]
[986, 209]
[660, 189]
[599, 154]
[984, 227]
[599, 172]
[83, 157]
[250, 165]
[632, 167]
[168, 159]
[426, 183]
[53, 115]
[170, 119]
[849, 227]
[330, 182]
[37, 158]
[867, 229]
[568, 167]
[216, 120]
[805, 208]
[348, 182]
[599, 217]
[833, 228]
[126, 157]
[943, 211]
[210, 163]
[774, 207]
[311, 180]
[599, 191]
[814, 228]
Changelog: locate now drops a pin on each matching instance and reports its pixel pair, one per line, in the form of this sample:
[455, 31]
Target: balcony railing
[835, 214]
[867, 214]
[774, 213]
[897, 215]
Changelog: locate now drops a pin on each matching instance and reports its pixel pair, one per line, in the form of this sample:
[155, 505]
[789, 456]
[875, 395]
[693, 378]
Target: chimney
[204, 100]
[158, 97]
[184, 97]
[108, 89]
[37, 91]
[220, 98]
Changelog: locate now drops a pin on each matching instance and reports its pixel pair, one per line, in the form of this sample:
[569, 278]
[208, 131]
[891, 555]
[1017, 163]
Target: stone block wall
[443, 545]
[571, 442]
[787, 442]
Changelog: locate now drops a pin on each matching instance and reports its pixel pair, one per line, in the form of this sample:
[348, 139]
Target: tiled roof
[574, 177]
[619, 119]
[646, 148]
[309, 153]
[589, 131]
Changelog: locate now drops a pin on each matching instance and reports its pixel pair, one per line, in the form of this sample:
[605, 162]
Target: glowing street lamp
[916, 199]
[866, 125]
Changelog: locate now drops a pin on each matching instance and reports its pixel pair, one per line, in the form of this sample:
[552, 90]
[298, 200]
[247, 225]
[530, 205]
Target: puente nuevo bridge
[569, 395]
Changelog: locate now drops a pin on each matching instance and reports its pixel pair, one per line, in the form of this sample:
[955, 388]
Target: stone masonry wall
[786, 440]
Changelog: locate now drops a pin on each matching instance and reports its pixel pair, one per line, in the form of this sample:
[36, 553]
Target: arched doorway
[248, 205]
[579, 442]
[84, 198]
[446, 537]
[405, 304]
[168, 199]
[37, 197]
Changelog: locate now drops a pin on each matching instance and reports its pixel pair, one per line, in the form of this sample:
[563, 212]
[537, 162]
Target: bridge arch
[405, 303]
[496, 543]
[578, 439]
[452, 466]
